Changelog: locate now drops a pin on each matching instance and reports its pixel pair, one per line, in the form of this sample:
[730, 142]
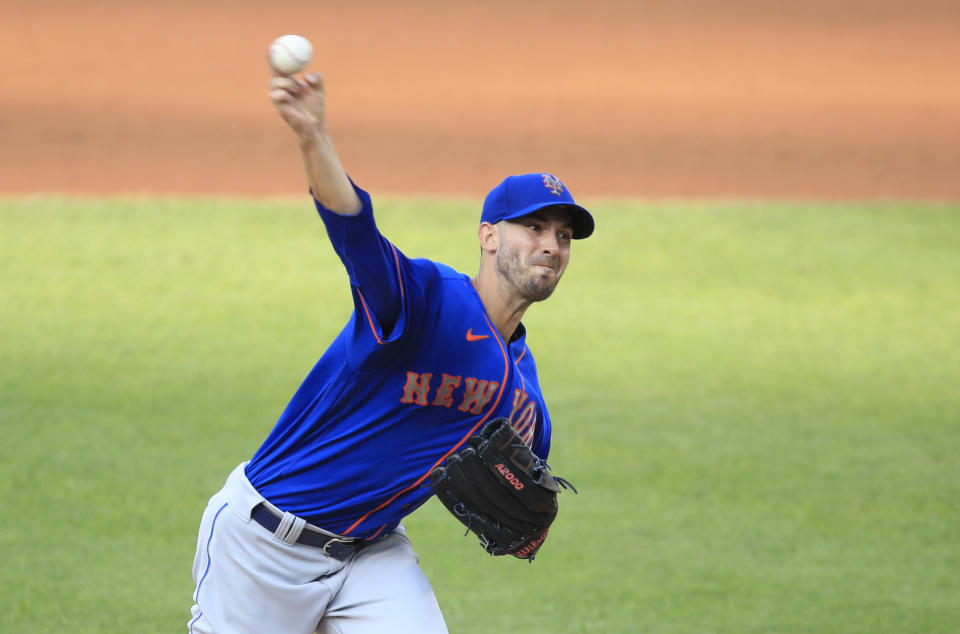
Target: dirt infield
[680, 98]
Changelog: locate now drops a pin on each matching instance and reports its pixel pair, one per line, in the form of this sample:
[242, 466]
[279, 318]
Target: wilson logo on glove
[532, 547]
[508, 475]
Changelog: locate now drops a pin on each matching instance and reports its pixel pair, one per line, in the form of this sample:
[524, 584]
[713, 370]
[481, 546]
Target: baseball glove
[499, 489]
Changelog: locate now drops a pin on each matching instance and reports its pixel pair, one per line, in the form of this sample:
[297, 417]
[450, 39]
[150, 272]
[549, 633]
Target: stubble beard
[529, 286]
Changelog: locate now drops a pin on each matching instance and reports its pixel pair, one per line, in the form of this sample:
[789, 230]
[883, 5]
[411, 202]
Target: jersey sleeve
[386, 294]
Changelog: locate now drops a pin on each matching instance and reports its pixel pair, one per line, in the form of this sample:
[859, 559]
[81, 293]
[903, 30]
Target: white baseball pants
[249, 581]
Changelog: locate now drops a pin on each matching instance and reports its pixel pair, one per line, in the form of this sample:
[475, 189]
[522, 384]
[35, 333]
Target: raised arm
[302, 104]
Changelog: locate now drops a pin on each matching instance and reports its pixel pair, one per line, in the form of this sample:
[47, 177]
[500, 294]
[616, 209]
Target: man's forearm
[328, 180]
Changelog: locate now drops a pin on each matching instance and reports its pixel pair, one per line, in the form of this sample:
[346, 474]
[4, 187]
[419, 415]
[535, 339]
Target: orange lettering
[532, 546]
[446, 388]
[508, 475]
[415, 391]
[478, 394]
[527, 417]
[519, 396]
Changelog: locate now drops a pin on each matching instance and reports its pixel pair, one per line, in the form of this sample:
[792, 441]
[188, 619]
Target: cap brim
[580, 219]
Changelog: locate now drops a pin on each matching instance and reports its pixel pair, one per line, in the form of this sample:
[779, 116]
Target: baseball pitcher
[430, 388]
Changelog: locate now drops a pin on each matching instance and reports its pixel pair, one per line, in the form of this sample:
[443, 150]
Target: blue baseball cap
[524, 194]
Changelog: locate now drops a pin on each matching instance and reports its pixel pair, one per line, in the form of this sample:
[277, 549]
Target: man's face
[534, 252]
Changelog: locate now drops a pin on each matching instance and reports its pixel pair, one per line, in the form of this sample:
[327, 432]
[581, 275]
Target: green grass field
[760, 405]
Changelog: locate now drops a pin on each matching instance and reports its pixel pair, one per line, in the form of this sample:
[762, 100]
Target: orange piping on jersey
[374, 536]
[503, 383]
[523, 382]
[366, 310]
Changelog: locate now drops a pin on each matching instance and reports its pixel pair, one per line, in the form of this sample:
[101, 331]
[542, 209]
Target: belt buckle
[338, 540]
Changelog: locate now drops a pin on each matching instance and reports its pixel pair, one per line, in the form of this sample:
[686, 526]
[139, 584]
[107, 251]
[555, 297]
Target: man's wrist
[316, 141]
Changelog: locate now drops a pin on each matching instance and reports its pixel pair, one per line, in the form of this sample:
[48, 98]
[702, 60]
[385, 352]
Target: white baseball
[290, 53]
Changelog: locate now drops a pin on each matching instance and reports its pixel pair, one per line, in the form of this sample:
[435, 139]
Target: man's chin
[539, 292]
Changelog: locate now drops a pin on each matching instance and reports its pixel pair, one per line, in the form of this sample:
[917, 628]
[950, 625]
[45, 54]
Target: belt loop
[289, 529]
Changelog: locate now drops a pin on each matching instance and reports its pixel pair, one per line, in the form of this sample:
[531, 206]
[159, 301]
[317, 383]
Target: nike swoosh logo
[473, 337]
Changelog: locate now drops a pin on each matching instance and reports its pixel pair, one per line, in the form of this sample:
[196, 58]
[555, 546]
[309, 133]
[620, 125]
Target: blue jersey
[417, 370]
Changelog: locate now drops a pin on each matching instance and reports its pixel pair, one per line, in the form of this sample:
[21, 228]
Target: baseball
[290, 53]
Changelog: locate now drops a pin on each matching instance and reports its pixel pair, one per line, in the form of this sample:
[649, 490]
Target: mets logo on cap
[552, 183]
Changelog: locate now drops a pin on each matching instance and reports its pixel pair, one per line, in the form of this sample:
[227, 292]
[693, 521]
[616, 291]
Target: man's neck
[503, 308]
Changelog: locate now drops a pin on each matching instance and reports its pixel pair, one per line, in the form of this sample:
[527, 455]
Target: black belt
[336, 547]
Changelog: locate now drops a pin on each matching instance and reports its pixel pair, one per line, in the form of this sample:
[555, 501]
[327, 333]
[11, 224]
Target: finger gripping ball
[290, 53]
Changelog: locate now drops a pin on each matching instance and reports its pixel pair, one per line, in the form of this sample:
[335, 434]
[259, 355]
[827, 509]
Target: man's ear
[489, 237]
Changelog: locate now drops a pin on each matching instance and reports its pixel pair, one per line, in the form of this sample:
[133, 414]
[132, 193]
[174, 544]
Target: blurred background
[656, 98]
[751, 368]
